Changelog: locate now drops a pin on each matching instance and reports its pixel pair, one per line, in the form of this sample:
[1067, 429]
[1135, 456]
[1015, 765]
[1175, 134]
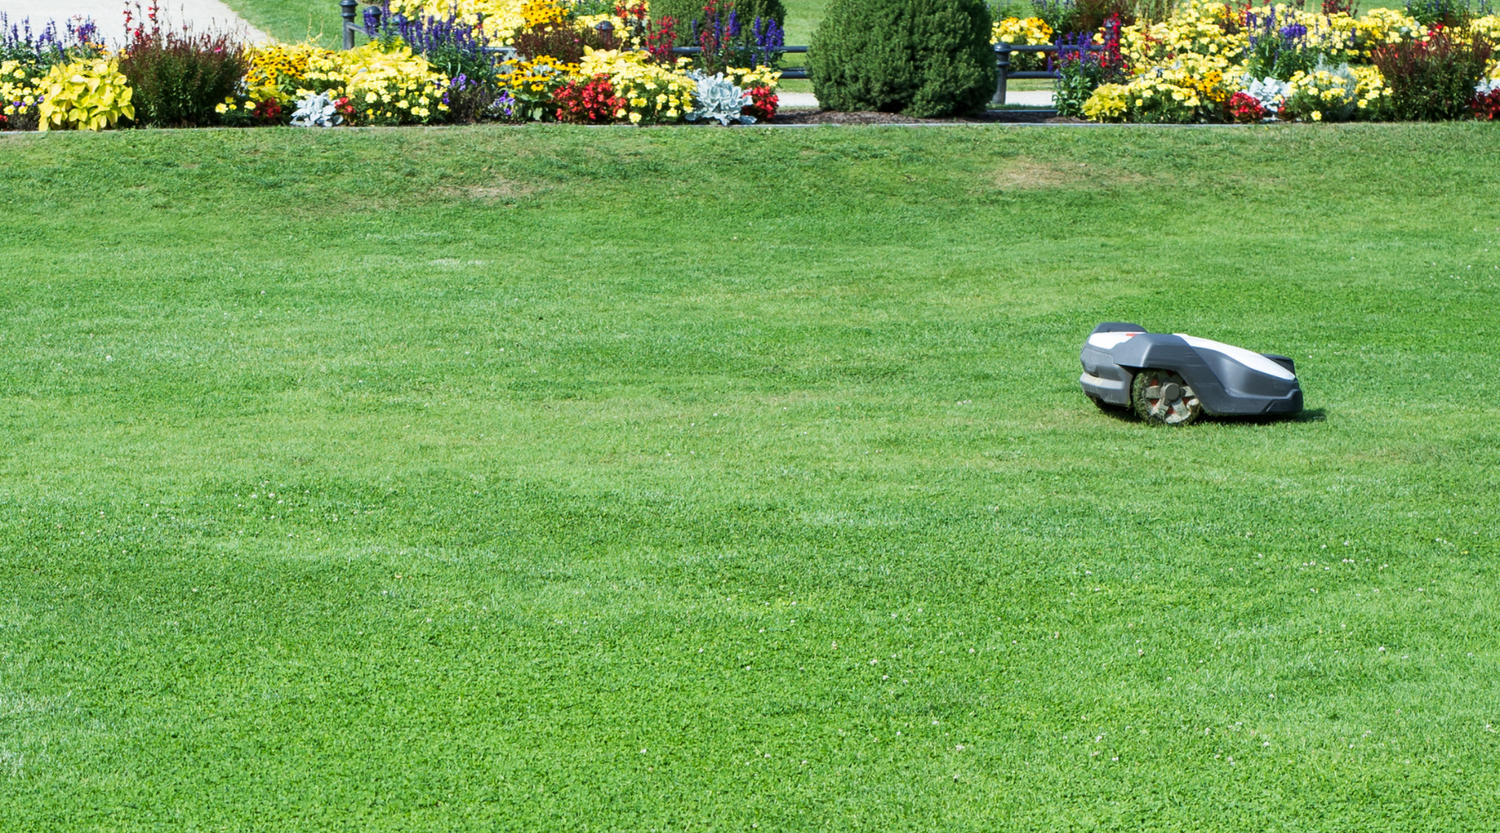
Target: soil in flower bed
[867, 117]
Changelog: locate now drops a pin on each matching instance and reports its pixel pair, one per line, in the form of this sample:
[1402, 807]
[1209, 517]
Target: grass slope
[560, 478]
[293, 21]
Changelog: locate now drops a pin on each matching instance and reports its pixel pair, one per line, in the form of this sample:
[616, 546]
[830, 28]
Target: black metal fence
[1003, 52]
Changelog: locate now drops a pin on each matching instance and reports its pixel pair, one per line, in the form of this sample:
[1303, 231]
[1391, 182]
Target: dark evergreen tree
[923, 58]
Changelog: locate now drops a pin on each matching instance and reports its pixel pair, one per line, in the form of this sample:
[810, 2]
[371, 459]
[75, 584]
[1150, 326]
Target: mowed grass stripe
[590, 442]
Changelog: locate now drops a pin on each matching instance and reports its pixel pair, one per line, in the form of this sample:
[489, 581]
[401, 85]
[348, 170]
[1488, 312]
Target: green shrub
[687, 11]
[924, 58]
[1432, 80]
[179, 76]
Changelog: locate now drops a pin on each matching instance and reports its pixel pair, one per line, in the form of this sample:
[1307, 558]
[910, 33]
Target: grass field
[551, 478]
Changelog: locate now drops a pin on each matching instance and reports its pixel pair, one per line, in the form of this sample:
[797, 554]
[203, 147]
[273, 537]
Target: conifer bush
[923, 58]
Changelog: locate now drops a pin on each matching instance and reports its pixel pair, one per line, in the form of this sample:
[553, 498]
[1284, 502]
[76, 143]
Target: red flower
[1246, 109]
[1486, 107]
[762, 104]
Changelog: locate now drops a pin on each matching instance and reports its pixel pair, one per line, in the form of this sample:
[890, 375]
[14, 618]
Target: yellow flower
[1317, 115]
[635, 118]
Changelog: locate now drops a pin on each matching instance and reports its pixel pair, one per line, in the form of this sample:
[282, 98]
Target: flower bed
[576, 61]
[1212, 62]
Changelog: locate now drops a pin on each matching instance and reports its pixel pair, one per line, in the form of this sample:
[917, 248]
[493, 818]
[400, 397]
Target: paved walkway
[109, 15]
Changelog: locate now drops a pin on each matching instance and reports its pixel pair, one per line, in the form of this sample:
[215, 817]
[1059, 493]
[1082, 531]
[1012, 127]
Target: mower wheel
[1164, 397]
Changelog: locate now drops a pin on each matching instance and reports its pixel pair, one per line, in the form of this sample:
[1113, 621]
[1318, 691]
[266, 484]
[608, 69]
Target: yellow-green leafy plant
[85, 95]
[1109, 102]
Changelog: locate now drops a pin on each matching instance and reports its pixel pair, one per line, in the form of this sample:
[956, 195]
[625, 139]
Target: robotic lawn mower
[1174, 379]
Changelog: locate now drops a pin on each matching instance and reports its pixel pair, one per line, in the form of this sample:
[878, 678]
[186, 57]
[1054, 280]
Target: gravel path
[109, 15]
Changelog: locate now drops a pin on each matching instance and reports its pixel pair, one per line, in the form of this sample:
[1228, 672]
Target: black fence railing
[1003, 53]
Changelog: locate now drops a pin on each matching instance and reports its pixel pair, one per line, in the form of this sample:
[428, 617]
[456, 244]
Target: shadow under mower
[1173, 379]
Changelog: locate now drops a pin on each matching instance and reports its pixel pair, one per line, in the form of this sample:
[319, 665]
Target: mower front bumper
[1104, 380]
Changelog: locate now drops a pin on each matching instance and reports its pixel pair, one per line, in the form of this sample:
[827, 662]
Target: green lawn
[552, 478]
[294, 20]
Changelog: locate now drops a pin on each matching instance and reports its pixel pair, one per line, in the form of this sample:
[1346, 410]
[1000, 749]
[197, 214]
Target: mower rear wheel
[1164, 397]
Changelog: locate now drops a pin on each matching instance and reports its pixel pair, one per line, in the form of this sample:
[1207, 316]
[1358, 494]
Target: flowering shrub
[1380, 27]
[1433, 78]
[1162, 99]
[1486, 103]
[1449, 14]
[1246, 109]
[179, 77]
[1336, 93]
[1246, 63]
[588, 101]
[652, 93]
[764, 101]
[453, 47]
[1199, 37]
[724, 38]
[497, 19]
[1029, 31]
[20, 96]
[551, 32]
[86, 95]
[531, 84]
[1486, 28]
[27, 56]
[1081, 70]
[277, 70]
[383, 85]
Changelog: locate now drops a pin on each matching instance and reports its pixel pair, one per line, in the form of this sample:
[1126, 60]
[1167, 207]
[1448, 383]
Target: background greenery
[555, 478]
[295, 20]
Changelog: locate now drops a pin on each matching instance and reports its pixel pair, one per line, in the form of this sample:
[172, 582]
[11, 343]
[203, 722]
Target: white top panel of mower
[1108, 341]
[1248, 358]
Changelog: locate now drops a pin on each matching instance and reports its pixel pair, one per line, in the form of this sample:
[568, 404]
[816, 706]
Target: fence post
[348, 9]
[1002, 66]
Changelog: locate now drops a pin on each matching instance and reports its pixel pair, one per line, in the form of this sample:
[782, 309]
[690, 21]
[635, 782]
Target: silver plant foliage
[317, 110]
[717, 98]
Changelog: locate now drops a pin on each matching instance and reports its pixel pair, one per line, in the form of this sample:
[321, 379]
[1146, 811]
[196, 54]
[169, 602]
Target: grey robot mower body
[1174, 378]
